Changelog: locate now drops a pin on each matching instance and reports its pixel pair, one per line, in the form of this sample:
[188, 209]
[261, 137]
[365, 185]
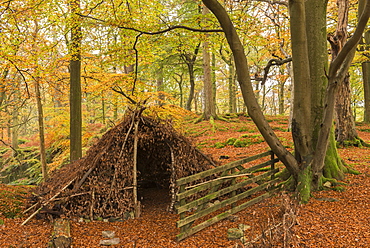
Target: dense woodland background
[170, 54]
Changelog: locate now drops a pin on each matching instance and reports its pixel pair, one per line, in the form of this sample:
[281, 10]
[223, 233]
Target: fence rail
[222, 189]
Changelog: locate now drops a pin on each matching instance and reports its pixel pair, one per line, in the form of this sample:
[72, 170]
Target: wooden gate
[223, 189]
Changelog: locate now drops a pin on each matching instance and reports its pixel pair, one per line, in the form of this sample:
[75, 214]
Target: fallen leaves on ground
[330, 219]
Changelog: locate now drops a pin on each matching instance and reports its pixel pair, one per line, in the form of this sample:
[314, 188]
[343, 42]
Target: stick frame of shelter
[134, 171]
[47, 202]
[172, 179]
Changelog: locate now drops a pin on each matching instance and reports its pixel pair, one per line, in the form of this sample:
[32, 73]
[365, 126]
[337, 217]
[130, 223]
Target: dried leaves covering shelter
[103, 183]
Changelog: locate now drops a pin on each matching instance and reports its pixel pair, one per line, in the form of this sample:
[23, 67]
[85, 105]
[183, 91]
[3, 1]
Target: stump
[62, 234]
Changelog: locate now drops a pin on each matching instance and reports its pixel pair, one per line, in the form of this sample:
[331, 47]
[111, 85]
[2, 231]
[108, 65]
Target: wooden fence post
[182, 203]
[272, 164]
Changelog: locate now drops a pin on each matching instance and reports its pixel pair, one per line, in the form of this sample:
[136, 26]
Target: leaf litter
[343, 221]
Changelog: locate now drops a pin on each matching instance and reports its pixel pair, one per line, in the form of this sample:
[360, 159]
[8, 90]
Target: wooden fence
[223, 189]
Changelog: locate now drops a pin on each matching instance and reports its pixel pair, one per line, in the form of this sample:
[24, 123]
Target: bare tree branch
[156, 32]
[273, 62]
[141, 32]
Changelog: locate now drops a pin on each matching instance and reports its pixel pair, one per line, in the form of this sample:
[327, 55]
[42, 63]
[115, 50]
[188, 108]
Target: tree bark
[75, 83]
[301, 121]
[209, 104]
[41, 132]
[366, 67]
[345, 123]
[190, 62]
[160, 86]
[229, 60]
[366, 82]
[62, 234]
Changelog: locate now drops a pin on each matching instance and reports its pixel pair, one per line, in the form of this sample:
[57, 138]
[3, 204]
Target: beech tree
[345, 131]
[311, 123]
[75, 82]
[365, 66]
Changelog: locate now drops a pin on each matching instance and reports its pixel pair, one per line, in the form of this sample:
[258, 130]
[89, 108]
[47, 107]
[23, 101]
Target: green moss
[339, 188]
[334, 167]
[304, 185]
[231, 141]
[219, 145]
[242, 129]
[353, 171]
[241, 143]
[283, 174]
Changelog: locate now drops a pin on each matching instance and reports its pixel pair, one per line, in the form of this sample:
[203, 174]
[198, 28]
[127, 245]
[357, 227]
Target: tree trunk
[209, 103]
[366, 81]
[179, 83]
[15, 131]
[232, 88]
[41, 131]
[192, 86]
[366, 67]
[190, 62]
[214, 81]
[282, 98]
[62, 234]
[75, 83]
[301, 121]
[160, 86]
[345, 123]
[229, 60]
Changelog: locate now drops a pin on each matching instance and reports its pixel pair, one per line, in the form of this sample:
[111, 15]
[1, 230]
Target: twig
[16, 152]
[28, 209]
[47, 202]
[271, 63]
[207, 158]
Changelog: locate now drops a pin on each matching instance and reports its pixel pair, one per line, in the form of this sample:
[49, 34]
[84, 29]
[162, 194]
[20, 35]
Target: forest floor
[337, 217]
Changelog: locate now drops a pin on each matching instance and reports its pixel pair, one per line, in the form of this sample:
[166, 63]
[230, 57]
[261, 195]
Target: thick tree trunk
[209, 101]
[75, 84]
[301, 121]
[345, 123]
[61, 235]
[366, 81]
[366, 67]
[337, 71]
